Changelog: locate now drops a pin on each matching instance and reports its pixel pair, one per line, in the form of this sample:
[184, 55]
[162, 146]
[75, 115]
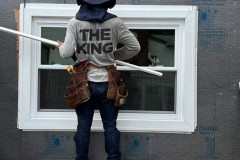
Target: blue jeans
[108, 112]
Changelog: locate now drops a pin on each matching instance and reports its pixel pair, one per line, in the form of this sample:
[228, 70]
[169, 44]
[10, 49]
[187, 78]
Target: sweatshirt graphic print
[97, 42]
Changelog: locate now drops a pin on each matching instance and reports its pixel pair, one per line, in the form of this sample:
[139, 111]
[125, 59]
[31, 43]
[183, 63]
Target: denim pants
[108, 112]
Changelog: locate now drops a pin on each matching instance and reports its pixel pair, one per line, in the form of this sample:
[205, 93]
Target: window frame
[183, 19]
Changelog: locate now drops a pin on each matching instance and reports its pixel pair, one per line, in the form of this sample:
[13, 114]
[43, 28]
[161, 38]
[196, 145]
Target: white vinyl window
[168, 39]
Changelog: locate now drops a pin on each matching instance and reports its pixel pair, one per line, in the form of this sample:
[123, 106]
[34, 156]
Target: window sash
[51, 96]
[177, 26]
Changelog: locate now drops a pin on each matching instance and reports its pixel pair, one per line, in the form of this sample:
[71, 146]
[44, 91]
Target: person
[93, 35]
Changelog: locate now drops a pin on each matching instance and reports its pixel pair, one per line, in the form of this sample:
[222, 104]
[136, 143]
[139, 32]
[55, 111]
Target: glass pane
[157, 48]
[49, 54]
[146, 92]
[52, 87]
[149, 92]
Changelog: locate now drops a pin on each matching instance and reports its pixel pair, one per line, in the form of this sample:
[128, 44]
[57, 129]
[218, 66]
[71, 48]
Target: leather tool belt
[78, 90]
[116, 87]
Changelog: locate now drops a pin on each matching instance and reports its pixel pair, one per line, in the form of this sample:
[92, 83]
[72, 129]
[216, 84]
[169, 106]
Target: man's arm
[131, 46]
[67, 48]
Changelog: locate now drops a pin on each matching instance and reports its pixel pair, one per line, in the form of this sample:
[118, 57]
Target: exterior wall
[216, 136]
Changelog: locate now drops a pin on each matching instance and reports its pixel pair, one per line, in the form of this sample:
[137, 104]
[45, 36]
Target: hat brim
[96, 1]
[106, 3]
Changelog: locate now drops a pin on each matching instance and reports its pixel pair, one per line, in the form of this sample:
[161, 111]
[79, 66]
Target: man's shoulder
[116, 20]
[73, 20]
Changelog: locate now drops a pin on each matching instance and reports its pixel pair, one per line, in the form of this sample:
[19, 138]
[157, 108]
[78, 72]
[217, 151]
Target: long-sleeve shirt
[97, 42]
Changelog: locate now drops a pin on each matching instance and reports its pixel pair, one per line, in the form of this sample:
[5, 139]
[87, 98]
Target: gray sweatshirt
[97, 42]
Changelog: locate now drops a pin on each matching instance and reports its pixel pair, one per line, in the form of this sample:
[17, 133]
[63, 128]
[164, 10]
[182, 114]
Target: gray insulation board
[217, 135]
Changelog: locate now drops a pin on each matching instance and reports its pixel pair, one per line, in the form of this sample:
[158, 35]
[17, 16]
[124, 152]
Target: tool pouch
[77, 89]
[116, 87]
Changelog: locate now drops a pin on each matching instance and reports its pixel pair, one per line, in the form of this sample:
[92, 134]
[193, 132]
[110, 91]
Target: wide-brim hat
[107, 3]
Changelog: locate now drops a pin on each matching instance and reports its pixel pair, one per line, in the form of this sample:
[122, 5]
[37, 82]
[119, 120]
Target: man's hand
[59, 44]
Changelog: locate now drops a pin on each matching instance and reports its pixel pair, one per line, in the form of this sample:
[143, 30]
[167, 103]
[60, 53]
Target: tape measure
[70, 70]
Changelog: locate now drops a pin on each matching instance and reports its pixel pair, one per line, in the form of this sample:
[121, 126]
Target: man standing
[93, 35]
